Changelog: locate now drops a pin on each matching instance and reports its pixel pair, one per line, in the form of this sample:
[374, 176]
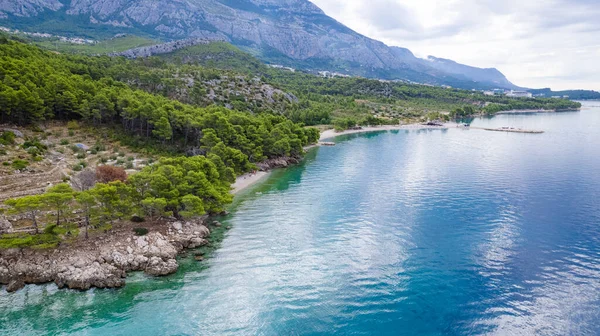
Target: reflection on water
[406, 232]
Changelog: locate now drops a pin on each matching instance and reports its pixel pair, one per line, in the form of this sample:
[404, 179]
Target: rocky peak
[28, 7]
[295, 32]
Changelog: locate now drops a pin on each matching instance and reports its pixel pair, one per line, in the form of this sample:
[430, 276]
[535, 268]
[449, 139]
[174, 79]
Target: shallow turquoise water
[401, 233]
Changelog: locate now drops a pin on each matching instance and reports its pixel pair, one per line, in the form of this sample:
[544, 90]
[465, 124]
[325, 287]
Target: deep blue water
[453, 232]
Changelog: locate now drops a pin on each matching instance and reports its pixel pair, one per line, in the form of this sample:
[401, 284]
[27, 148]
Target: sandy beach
[244, 181]
[331, 133]
[247, 180]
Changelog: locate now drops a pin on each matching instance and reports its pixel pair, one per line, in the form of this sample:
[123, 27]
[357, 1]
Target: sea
[409, 232]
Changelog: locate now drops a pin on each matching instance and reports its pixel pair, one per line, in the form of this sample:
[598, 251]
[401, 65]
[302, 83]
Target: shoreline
[331, 133]
[104, 260]
[537, 111]
[247, 180]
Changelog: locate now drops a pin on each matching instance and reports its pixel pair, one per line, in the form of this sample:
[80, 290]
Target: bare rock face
[90, 275]
[280, 162]
[104, 263]
[15, 285]
[157, 266]
[163, 48]
[5, 226]
[29, 7]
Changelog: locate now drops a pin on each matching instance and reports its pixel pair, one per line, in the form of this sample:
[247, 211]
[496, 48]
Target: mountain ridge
[291, 32]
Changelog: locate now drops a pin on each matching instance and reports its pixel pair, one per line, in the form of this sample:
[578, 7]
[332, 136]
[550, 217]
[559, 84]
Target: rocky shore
[103, 261]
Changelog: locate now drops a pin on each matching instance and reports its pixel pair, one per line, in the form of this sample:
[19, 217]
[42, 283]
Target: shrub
[19, 164]
[50, 229]
[64, 142]
[34, 143]
[137, 219]
[84, 180]
[71, 132]
[34, 151]
[19, 240]
[99, 147]
[140, 231]
[7, 138]
[129, 165]
[106, 174]
[73, 125]
[81, 156]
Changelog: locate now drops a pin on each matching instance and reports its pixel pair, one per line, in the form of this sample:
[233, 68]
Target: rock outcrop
[279, 162]
[102, 263]
[163, 48]
[5, 226]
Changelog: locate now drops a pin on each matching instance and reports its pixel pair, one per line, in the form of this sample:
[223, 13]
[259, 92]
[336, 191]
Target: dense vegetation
[37, 86]
[117, 44]
[221, 74]
[181, 187]
[186, 103]
[217, 55]
[401, 100]
[571, 94]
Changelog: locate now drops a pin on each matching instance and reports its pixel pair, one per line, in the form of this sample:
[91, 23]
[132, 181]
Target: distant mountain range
[293, 33]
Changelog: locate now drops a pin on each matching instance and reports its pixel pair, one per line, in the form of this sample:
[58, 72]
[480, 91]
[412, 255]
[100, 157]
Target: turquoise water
[401, 233]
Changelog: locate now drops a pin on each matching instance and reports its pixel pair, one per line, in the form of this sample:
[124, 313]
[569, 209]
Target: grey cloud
[389, 15]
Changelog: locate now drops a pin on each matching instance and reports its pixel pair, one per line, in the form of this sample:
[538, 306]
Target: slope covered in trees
[38, 86]
[221, 74]
[319, 100]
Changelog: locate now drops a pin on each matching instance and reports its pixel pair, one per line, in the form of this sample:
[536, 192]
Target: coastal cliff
[104, 261]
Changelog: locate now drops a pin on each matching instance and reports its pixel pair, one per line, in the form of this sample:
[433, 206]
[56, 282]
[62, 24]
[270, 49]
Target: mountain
[488, 75]
[293, 33]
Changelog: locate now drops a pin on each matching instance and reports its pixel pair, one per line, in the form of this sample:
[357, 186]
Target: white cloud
[550, 43]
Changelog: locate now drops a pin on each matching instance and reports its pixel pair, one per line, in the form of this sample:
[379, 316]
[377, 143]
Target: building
[519, 94]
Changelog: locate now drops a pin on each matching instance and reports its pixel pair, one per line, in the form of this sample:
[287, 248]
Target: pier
[509, 129]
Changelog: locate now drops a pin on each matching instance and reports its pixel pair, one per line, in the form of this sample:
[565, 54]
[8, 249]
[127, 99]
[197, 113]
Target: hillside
[570, 94]
[95, 149]
[218, 73]
[293, 33]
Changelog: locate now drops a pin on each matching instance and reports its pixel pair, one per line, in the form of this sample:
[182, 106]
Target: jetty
[325, 143]
[510, 129]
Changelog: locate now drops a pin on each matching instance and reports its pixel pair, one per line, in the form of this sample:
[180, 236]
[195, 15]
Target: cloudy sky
[539, 43]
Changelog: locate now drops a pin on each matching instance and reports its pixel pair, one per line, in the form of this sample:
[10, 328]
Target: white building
[519, 94]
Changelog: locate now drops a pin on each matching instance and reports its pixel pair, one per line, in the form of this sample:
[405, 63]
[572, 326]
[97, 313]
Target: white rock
[177, 226]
